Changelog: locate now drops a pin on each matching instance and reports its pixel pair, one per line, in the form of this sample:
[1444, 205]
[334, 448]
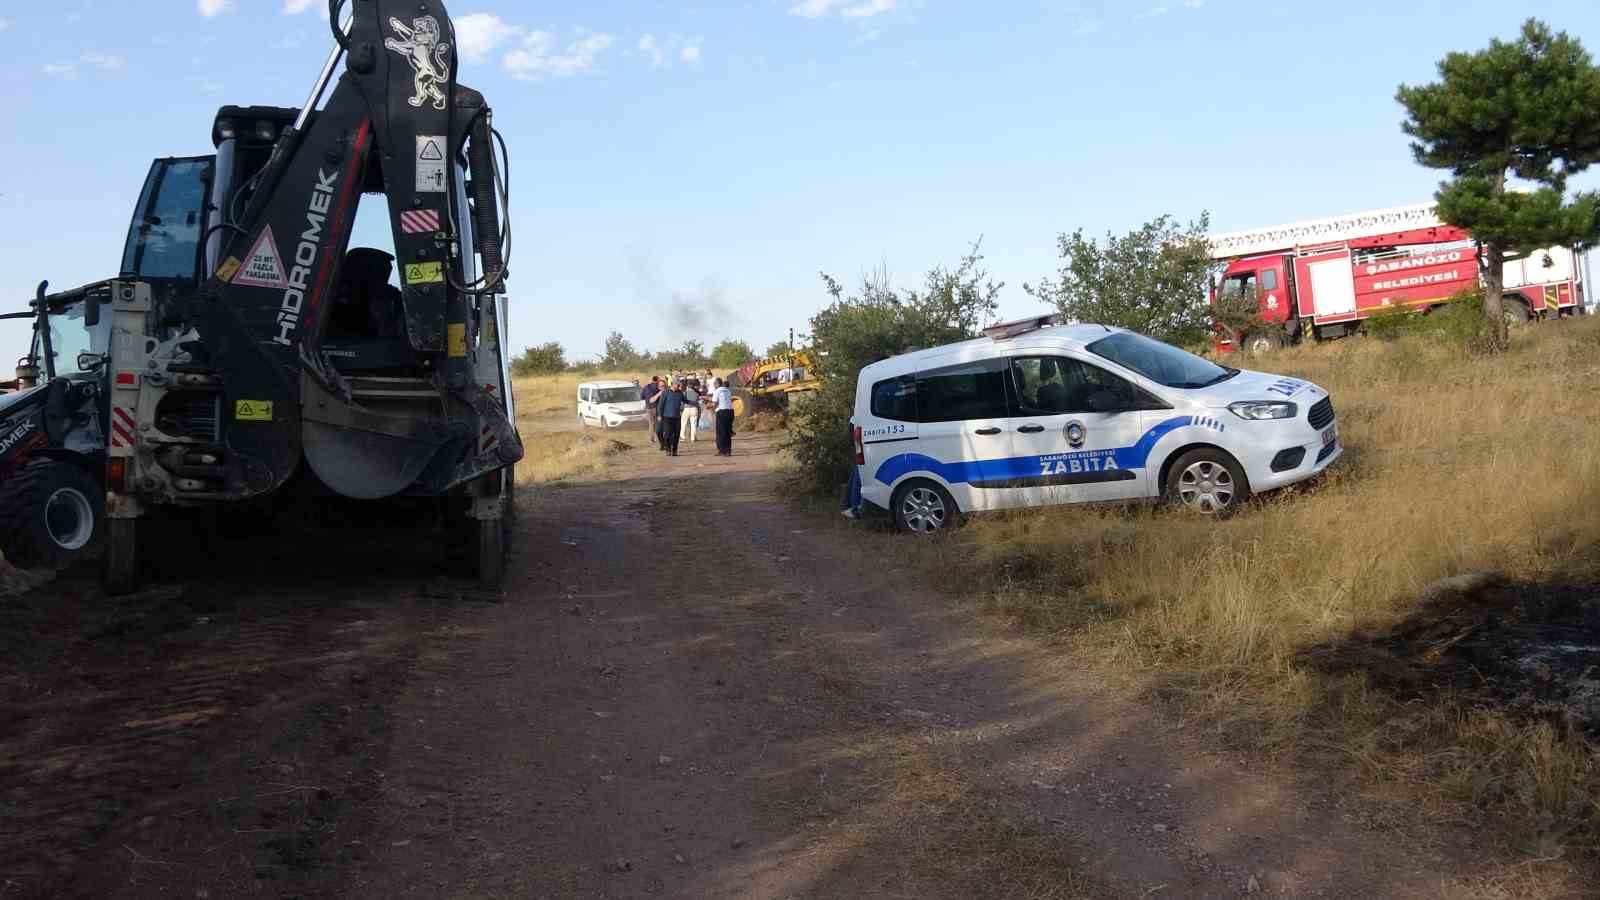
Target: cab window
[1239, 285]
[583, 394]
[1269, 279]
[895, 399]
[975, 390]
[1056, 385]
[164, 237]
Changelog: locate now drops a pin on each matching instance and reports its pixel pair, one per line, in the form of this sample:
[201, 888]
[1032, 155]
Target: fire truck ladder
[1333, 230]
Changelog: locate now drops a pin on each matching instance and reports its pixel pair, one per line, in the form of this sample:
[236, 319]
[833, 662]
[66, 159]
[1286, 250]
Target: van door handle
[1031, 429]
[987, 431]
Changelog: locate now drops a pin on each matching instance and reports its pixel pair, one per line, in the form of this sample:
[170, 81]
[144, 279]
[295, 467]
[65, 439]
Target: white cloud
[102, 60]
[212, 8]
[867, 9]
[1194, 4]
[859, 9]
[812, 9]
[4, 24]
[1152, 12]
[479, 34]
[649, 47]
[1087, 26]
[690, 53]
[296, 7]
[61, 70]
[538, 56]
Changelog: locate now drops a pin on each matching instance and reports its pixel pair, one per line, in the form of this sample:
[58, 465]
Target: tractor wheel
[491, 552]
[122, 556]
[50, 513]
[744, 404]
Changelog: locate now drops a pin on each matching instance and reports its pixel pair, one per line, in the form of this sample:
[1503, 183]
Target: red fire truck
[1320, 278]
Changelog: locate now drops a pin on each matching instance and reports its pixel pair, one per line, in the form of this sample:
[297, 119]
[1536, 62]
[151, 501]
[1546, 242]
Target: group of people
[675, 405]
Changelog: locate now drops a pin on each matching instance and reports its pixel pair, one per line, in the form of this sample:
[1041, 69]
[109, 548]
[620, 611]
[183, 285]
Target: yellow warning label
[252, 410]
[228, 267]
[424, 273]
[456, 338]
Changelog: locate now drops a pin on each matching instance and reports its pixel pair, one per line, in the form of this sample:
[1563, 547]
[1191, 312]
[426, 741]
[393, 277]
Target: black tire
[50, 514]
[491, 552]
[122, 556]
[1515, 311]
[921, 506]
[1208, 482]
[1264, 342]
[744, 404]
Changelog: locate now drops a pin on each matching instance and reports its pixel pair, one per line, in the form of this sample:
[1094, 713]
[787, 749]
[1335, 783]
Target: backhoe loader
[246, 356]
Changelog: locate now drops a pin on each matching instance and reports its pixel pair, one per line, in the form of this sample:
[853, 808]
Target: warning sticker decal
[424, 273]
[252, 410]
[456, 338]
[430, 164]
[228, 267]
[263, 267]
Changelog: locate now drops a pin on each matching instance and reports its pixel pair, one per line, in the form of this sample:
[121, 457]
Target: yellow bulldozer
[765, 385]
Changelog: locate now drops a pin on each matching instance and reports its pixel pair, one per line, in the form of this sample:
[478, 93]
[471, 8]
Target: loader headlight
[1263, 409]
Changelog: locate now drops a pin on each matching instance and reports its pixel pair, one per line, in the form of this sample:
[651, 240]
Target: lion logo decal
[430, 59]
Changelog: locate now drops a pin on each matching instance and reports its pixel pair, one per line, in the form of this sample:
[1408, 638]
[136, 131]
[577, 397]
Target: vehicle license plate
[1330, 435]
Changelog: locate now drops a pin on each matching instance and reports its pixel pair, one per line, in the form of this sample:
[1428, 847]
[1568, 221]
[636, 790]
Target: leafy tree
[1529, 109]
[873, 323]
[778, 349]
[541, 360]
[620, 354]
[1152, 280]
[730, 353]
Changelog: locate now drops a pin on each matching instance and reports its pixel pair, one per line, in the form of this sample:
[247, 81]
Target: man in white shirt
[722, 401]
[691, 414]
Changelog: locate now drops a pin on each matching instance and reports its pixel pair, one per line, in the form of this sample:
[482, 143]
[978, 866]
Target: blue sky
[721, 154]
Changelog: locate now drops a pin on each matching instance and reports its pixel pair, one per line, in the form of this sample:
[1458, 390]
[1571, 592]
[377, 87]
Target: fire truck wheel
[1264, 342]
[1514, 311]
[1207, 481]
[122, 556]
[49, 514]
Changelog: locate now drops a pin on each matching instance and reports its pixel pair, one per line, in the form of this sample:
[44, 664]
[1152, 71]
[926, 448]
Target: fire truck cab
[1321, 278]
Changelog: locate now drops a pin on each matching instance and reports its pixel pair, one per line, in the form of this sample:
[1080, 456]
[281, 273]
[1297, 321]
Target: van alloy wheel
[923, 510]
[1206, 487]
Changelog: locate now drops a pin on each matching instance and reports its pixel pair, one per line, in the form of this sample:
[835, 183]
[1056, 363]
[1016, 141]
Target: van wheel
[49, 514]
[1208, 482]
[923, 507]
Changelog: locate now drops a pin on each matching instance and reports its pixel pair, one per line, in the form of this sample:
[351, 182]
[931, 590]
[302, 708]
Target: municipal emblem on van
[1075, 433]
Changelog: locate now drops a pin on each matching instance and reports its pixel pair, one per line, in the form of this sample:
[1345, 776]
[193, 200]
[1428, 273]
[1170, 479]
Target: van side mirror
[89, 362]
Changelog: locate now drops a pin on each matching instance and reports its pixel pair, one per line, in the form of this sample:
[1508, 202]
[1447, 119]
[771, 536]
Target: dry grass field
[555, 448]
[1306, 622]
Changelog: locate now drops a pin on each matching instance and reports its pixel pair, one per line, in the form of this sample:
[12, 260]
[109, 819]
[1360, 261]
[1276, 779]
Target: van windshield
[616, 395]
[1161, 363]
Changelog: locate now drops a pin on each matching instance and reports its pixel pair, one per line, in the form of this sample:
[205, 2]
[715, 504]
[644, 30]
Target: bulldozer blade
[365, 465]
[360, 452]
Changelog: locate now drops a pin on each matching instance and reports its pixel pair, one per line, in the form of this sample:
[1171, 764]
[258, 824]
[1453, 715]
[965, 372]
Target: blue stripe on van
[978, 471]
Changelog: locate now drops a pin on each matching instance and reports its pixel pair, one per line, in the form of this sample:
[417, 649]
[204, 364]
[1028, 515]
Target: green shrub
[876, 323]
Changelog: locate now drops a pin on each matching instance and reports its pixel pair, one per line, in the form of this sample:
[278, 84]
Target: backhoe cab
[252, 356]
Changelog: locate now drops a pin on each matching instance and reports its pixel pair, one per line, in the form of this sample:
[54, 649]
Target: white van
[1039, 413]
[610, 404]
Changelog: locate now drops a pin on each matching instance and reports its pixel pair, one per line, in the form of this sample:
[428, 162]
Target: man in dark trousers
[722, 402]
[648, 395]
[671, 409]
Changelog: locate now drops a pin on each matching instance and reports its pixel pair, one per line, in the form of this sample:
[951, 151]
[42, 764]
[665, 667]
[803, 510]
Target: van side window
[1056, 385]
[975, 390]
[895, 399]
[583, 394]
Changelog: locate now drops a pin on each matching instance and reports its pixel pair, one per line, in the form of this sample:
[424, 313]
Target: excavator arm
[413, 396]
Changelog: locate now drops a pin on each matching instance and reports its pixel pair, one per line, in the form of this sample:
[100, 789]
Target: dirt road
[692, 690]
